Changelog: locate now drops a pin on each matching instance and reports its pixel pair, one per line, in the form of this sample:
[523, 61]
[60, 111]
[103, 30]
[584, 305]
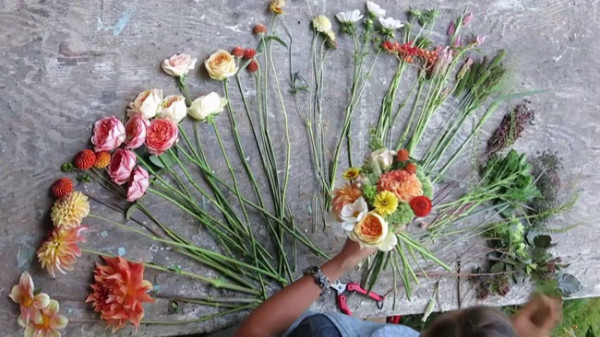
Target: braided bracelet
[320, 279]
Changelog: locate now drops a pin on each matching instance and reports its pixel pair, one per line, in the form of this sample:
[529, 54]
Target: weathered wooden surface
[65, 64]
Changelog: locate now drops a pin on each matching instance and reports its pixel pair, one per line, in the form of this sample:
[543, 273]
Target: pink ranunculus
[121, 164]
[109, 134]
[135, 129]
[161, 135]
[138, 184]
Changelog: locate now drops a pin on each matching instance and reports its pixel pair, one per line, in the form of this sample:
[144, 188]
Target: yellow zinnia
[351, 173]
[385, 203]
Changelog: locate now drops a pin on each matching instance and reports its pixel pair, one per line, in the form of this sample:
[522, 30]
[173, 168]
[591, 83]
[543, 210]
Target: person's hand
[351, 254]
[538, 318]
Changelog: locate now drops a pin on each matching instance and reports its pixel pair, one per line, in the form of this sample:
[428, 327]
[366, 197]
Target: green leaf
[165, 160]
[590, 332]
[542, 241]
[130, 211]
[498, 267]
[277, 39]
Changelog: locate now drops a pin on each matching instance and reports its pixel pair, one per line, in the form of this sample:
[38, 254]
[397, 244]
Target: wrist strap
[320, 279]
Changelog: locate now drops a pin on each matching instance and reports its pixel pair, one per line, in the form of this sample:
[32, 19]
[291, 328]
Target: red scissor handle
[351, 286]
[343, 304]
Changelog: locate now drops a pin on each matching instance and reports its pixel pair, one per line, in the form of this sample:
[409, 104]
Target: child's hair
[473, 322]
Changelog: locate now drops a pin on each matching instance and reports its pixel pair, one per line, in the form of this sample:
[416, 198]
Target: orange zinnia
[343, 196]
[403, 184]
[118, 291]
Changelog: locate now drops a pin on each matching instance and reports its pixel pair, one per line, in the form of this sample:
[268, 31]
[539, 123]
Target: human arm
[538, 318]
[278, 313]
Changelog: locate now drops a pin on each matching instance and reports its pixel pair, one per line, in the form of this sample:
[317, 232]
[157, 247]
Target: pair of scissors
[341, 298]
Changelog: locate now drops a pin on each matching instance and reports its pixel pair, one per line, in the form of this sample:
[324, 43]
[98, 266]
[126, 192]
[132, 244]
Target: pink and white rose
[173, 108]
[138, 184]
[121, 164]
[161, 135]
[109, 134]
[147, 102]
[135, 131]
[178, 65]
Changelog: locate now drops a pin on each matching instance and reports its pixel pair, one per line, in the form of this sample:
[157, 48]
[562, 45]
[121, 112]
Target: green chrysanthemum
[426, 184]
[402, 216]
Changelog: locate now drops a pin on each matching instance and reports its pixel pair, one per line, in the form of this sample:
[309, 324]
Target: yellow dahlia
[351, 173]
[385, 203]
[68, 211]
[60, 250]
[403, 184]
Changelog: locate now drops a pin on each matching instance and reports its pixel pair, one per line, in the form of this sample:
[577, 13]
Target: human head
[472, 322]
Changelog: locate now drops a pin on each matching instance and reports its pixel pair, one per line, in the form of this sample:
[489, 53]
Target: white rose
[353, 213]
[147, 103]
[173, 108]
[349, 16]
[220, 65]
[375, 9]
[373, 231]
[383, 157]
[178, 65]
[390, 23]
[322, 24]
[207, 105]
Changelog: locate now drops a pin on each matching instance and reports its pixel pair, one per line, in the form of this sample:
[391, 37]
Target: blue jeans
[316, 326]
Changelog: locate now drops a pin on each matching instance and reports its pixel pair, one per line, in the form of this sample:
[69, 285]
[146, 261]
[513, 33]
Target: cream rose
[322, 24]
[207, 105]
[220, 65]
[383, 157]
[178, 65]
[146, 103]
[373, 231]
[173, 108]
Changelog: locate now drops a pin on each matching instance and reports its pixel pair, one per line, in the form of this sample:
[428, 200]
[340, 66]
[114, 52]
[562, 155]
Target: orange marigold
[118, 291]
[403, 184]
[60, 250]
[343, 196]
[102, 159]
[85, 159]
[62, 187]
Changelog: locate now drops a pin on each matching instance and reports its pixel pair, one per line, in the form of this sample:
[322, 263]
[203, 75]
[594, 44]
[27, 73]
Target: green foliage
[402, 216]
[510, 178]
[426, 183]
[369, 192]
[581, 318]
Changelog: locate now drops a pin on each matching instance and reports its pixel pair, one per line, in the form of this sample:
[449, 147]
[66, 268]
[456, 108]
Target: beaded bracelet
[320, 279]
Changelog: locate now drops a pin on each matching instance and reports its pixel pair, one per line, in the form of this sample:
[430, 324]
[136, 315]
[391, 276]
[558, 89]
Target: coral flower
[30, 304]
[343, 196]
[118, 291]
[50, 321]
[276, 6]
[385, 203]
[403, 155]
[420, 205]
[68, 211]
[102, 159]
[60, 250]
[351, 173]
[62, 187]
[403, 184]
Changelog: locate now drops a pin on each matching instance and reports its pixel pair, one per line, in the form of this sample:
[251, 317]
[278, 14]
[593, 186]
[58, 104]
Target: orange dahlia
[60, 250]
[102, 159]
[62, 187]
[411, 168]
[118, 291]
[85, 159]
[343, 196]
[403, 184]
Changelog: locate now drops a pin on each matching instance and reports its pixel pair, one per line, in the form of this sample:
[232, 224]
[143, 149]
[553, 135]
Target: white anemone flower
[375, 9]
[353, 213]
[390, 23]
[349, 16]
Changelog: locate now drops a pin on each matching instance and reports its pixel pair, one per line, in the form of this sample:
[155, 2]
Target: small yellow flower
[351, 173]
[69, 210]
[276, 6]
[385, 203]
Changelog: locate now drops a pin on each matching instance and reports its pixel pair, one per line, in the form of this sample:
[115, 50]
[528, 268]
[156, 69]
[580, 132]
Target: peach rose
[138, 184]
[161, 135]
[373, 231]
[147, 102]
[109, 134]
[178, 65]
[135, 131]
[220, 65]
[121, 164]
[173, 108]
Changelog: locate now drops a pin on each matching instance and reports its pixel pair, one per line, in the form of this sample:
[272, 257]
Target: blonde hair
[473, 322]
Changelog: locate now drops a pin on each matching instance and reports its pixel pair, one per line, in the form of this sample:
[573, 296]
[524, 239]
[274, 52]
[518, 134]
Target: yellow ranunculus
[221, 65]
[385, 203]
